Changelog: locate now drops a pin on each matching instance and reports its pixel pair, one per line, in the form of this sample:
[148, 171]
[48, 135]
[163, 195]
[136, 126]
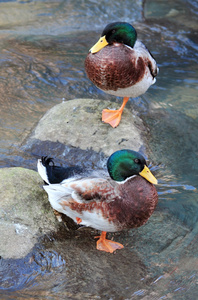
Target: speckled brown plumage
[115, 67]
[127, 205]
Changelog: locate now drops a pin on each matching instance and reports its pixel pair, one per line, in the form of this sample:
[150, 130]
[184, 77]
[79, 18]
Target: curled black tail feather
[57, 174]
[47, 160]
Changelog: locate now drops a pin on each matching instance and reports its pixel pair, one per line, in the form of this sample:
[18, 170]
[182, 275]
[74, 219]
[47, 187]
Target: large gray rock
[78, 123]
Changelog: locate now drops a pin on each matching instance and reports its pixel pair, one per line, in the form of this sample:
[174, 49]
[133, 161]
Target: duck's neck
[126, 180]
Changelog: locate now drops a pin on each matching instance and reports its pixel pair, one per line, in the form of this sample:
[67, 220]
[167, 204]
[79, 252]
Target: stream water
[43, 45]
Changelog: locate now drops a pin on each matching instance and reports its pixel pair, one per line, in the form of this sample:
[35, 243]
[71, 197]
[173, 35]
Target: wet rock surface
[78, 269]
[77, 123]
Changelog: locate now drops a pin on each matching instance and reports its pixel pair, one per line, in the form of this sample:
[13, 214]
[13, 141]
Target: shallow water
[43, 45]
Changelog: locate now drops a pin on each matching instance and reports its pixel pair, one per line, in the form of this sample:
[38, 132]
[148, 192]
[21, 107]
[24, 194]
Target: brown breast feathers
[114, 67]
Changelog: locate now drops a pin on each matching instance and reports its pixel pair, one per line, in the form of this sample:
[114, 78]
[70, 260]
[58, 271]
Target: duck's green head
[119, 32]
[125, 163]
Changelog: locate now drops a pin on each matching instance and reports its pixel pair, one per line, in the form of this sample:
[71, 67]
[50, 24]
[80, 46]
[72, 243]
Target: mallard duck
[120, 65]
[125, 198]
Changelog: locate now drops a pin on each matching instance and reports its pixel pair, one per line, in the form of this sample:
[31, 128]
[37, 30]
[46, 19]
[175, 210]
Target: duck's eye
[113, 31]
[137, 160]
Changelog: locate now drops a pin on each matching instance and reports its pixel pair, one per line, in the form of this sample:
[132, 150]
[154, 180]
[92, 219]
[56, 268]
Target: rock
[77, 123]
[25, 212]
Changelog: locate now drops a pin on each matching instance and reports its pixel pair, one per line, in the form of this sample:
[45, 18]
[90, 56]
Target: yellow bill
[146, 173]
[99, 45]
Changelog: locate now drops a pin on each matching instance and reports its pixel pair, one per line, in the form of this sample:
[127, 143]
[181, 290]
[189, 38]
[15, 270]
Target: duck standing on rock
[123, 200]
[120, 65]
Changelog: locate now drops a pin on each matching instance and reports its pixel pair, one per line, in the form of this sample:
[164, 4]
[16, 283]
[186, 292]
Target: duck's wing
[82, 194]
[142, 51]
[83, 190]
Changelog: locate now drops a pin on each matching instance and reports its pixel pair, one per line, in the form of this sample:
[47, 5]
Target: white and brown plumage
[120, 65]
[124, 200]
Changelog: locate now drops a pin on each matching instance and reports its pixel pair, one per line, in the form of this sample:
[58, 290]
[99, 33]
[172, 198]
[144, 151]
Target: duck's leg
[78, 220]
[113, 117]
[107, 245]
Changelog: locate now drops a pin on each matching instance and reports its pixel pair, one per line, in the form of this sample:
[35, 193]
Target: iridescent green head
[119, 32]
[125, 163]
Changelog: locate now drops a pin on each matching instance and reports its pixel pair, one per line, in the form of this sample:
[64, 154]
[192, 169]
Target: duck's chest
[138, 203]
[115, 67]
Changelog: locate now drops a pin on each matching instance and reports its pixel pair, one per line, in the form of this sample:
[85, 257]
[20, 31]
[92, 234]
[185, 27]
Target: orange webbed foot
[111, 117]
[107, 245]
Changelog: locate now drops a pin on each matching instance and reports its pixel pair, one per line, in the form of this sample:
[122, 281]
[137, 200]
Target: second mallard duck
[124, 200]
[120, 65]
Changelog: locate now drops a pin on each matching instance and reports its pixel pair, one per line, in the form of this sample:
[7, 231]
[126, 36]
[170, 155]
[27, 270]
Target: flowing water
[43, 45]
